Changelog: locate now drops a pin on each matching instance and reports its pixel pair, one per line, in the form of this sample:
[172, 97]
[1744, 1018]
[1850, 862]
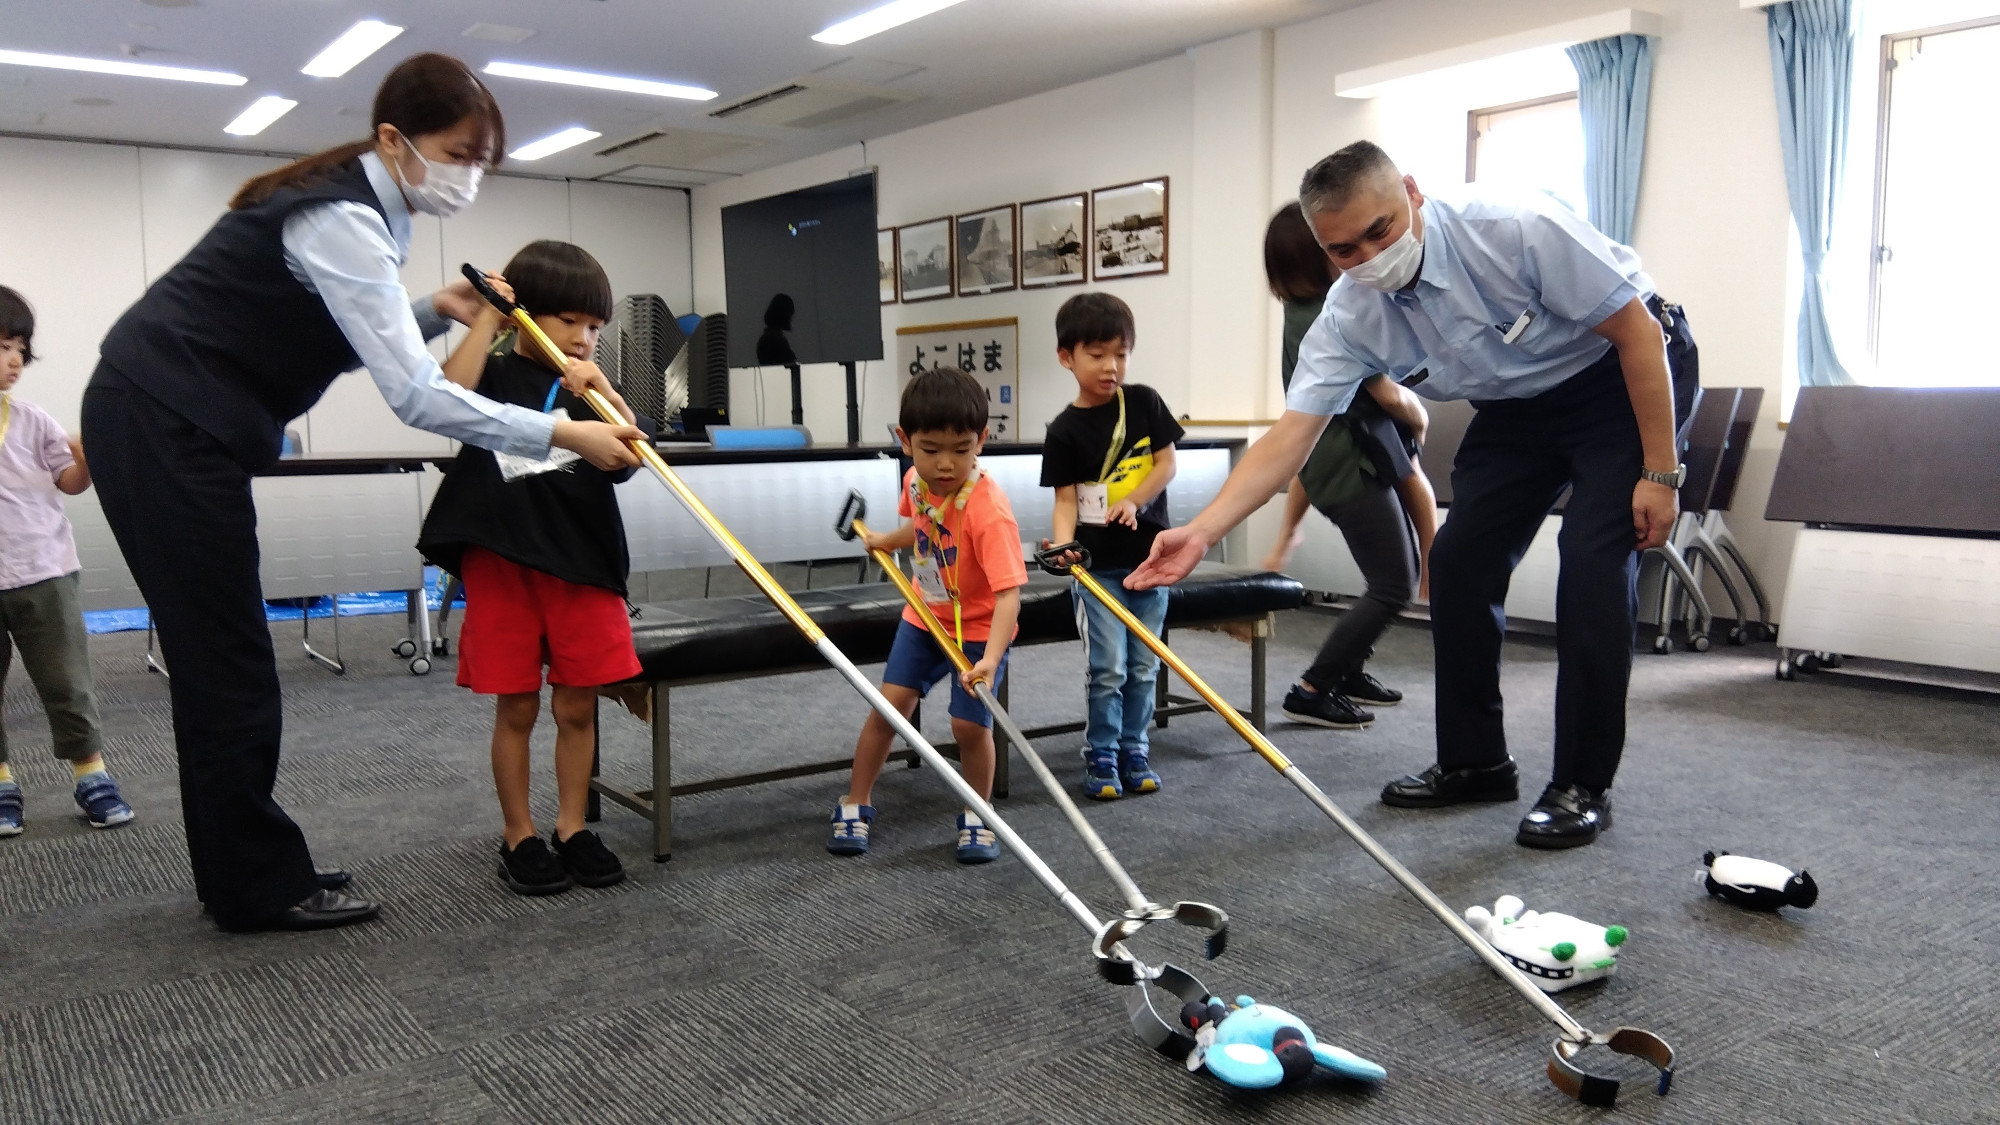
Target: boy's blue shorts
[916, 662]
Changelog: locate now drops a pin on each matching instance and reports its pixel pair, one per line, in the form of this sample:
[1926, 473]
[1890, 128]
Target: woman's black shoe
[529, 869]
[1325, 709]
[1364, 688]
[588, 859]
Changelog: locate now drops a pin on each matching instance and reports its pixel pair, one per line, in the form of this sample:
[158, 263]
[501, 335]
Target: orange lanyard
[947, 573]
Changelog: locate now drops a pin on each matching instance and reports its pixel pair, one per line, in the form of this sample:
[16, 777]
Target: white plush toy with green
[1555, 951]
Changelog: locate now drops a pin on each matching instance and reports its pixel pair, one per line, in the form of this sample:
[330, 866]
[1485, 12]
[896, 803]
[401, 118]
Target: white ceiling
[979, 53]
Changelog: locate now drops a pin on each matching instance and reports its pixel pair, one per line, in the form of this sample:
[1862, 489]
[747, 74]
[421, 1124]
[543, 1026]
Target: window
[1935, 239]
[1535, 144]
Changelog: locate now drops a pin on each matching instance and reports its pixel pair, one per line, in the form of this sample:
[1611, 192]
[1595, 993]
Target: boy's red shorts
[518, 619]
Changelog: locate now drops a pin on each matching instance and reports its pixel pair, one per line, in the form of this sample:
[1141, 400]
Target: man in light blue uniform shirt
[1548, 328]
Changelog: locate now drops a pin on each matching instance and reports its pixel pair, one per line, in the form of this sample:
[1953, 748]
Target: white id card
[1093, 503]
[928, 581]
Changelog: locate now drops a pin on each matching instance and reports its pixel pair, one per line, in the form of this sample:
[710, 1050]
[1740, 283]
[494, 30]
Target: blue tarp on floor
[291, 609]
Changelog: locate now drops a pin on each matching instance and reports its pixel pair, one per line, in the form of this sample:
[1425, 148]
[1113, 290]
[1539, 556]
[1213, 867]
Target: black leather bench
[709, 640]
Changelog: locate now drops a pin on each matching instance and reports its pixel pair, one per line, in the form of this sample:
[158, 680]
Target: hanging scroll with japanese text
[988, 350]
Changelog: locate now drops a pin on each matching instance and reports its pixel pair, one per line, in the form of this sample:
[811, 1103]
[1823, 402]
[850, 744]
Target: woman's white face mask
[1397, 264]
[446, 188]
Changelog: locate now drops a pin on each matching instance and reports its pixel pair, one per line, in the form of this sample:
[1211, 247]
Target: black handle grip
[856, 508]
[1047, 558]
[485, 288]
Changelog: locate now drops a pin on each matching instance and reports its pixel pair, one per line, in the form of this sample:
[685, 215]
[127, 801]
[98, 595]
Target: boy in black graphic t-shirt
[541, 549]
[1109, 456]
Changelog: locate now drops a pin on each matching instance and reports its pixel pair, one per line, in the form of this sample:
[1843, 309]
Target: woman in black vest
[1363, 478]
[295, 285]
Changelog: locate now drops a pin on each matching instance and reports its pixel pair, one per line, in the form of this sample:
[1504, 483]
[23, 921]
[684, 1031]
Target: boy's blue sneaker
[10, 809]
[1136, 772]
[976, 842]
[850, 829]
[1101, 781]
[97, 795]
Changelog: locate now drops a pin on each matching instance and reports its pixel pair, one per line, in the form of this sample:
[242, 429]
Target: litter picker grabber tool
[1563, 1071]
[1113, 962]
[793, 612]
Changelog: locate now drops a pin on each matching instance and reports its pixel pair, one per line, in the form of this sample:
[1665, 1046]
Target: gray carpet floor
[756, 978]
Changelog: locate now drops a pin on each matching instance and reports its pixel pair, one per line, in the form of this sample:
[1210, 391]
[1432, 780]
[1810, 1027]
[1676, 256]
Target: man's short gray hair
[1333, 182]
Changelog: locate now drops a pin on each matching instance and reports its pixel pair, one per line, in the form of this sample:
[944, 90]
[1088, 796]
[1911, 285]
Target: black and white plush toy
[1756, 884]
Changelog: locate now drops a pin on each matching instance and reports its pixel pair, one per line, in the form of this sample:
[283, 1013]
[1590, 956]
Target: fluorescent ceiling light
[893, 14]
[356, 43]
[259, 116]
[129, 69]
[598, 81]
[553, 143]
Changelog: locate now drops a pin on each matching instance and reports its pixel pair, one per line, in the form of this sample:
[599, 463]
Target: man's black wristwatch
[1672, 480]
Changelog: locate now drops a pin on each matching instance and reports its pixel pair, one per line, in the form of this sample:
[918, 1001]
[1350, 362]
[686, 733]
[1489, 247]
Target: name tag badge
[1518, 328]
[1093, 503]
[929, 582]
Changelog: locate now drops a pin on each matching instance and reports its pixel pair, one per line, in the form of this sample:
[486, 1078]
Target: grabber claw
[1592, 1089]
[856, 508]
[1118, 966]
[1050, 558]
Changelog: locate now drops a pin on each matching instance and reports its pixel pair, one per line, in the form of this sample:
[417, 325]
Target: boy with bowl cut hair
[969, 568]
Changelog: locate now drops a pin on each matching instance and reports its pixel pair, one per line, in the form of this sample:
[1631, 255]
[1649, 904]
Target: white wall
[85, 227]
[1129, 126]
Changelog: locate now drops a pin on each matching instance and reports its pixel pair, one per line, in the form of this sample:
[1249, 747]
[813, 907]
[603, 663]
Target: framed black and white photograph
[885, 264]
[1131, 232]
[924, 253]
[985, 251]
[1052, 232]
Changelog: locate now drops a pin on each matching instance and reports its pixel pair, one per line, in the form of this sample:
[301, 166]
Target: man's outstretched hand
[1175, 553]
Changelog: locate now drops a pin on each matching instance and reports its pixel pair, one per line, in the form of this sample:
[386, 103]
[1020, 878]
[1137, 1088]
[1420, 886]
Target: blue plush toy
[1256, 1046]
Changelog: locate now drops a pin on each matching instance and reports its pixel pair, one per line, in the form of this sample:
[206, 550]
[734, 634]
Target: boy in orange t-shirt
[969, 568]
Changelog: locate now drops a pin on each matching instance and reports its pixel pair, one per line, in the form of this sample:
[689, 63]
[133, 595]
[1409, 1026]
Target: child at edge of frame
[540, 547]
[970, 572]
[1110, 455]
[41, 585]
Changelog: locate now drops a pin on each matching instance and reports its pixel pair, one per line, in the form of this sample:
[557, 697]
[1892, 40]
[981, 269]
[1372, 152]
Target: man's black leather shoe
[331, 878]
[320, 910]
[1566, 817]
[1436, 787]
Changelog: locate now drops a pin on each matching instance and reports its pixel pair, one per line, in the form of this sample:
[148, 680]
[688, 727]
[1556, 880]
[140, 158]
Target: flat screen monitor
[801, 276]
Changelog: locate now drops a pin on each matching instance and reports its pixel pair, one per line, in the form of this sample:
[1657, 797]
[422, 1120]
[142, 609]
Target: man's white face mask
[1396, 265]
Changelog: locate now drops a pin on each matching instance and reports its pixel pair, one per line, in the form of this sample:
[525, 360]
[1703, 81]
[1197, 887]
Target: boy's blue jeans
[1123, 670]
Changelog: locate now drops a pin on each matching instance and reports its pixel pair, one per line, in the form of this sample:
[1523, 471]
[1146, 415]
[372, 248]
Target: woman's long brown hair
[426, 93]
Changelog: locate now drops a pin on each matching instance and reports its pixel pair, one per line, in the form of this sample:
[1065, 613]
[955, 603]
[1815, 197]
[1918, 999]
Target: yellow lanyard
[1117, 441]
[6, 416]
[922, 504]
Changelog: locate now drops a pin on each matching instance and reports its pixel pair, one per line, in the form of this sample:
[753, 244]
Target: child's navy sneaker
[1136, 772]
[976, 842]
[1101, 780]
[97, 795]
[11, 809]
[850, 829]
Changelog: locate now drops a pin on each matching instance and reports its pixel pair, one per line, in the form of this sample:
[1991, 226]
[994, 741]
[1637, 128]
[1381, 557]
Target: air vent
[677, 148]
[808, 103]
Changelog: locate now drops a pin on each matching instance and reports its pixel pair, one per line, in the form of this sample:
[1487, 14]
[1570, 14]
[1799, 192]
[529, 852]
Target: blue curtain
[1613, 80]
[1812, 63]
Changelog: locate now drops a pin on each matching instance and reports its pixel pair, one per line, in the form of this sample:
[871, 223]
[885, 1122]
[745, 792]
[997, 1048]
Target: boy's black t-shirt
[1073, 453]
[563, 522]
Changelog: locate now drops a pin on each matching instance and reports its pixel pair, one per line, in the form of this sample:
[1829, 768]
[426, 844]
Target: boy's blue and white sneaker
[1136, 772]
[850, 829]
[97, 795]
[976, 842]
[1101, 781]
[11, 809]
